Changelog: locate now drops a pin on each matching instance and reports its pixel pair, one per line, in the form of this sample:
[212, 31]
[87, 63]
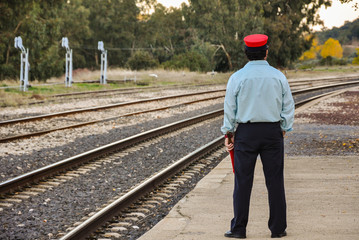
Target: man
[259, 100]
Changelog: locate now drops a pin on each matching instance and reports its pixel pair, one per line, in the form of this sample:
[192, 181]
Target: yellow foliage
[356, 59]
[309, 54]
[312, 52]
[332, 48]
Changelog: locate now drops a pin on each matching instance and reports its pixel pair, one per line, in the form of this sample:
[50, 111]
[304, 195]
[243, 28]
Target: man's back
[258, 91]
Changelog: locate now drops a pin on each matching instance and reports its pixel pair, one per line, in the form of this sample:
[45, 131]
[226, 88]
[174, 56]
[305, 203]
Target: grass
[39, 91]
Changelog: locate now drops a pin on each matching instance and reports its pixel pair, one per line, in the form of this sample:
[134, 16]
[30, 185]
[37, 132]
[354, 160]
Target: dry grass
[163, 76]
[13, 97]
[323, 72]
[40, 91]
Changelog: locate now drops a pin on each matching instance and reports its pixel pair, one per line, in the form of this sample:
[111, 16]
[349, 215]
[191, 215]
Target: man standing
[259, 100]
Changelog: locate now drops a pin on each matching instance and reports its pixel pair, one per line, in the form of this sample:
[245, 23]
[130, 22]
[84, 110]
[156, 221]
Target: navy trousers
[266, 140]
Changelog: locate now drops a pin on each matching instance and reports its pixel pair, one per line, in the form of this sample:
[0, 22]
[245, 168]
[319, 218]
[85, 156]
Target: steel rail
[312, 89]
[63, 165]
[84, 229]
[71, 162]
[74, 161]
[104, 215]
[113, 90]
[131, 90]
[307, 100]
[12, 138]
[325, 79]
[64, 113]
[113, 209]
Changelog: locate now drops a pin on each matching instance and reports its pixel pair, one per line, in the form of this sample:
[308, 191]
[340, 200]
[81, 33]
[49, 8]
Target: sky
[334, 16]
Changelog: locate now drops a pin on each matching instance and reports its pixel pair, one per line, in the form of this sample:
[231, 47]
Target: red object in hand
[231, 153]
[229, 135]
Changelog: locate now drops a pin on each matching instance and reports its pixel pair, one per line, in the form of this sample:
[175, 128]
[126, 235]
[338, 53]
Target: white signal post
[25, 66]
[103, 63]
[68, 76]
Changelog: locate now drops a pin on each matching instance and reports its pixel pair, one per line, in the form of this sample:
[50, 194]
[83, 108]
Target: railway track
[103, 216]
[110, 92]
[293, 84]
[38, 133]
[62, 126]
[97, 108]
[108, 213]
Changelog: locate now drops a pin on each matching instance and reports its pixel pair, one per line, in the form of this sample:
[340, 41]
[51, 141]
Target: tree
[286, 23]
[115, 23]
[313, 51]
[332, 48]
[165, 32]
[345, 34]
[41, 24]
[192, 60]
[38, 23]
[356, 59]
[141, 60]
[224, 24]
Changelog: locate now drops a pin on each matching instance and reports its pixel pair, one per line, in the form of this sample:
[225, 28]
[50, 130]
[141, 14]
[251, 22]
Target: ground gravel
[59, 208]
[44, 215]
[328, 128]
[33, 110]
[62, 121]
[26, 155]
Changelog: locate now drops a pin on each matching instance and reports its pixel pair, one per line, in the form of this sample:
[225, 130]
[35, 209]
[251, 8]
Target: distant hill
[348, 34]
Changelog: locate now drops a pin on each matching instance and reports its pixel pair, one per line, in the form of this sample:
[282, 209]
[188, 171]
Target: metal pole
[103, 78]
[102, 68]
[104, 81]
[21, 71]
[24, 64]
[70, 70]
[67, 69]
[26, 79]
[68, 74]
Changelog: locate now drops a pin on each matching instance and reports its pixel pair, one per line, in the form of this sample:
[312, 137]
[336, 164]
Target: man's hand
[229, 146]
[284, 133]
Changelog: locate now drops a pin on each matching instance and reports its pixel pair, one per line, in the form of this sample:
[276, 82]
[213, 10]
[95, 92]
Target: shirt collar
[257, 62]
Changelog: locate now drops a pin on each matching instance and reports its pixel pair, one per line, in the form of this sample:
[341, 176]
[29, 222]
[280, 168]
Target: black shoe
[229, 234]
[279, 235]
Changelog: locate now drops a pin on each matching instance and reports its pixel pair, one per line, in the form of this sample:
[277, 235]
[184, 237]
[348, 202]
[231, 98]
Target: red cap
[256, 40]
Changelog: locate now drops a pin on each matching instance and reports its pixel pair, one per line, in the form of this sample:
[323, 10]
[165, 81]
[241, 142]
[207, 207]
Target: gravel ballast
[59, 208]
[44, 215]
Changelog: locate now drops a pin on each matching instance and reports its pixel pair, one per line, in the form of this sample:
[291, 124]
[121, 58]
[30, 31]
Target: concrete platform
[322, 202]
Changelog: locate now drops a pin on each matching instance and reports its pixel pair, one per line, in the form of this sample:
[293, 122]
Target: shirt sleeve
[287, 113]
[230, 108]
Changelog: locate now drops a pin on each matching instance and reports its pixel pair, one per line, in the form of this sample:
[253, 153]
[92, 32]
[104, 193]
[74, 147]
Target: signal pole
[68, 76]
[103, 63]
[25, 66]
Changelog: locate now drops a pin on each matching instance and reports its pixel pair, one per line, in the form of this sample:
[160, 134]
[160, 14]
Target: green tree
[191, 60]
[224, 24]
[37, 22]
[286, 23]
[115, 23]
[141, 60]
[41, 24]
[75, 26]
[165, 32]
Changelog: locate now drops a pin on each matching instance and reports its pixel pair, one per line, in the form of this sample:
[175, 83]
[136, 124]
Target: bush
[356, 57]
[191, 60]
[141, 60]
[7, 71]
[330, 61]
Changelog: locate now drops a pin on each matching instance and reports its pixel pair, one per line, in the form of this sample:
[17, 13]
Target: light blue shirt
[258, 93]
